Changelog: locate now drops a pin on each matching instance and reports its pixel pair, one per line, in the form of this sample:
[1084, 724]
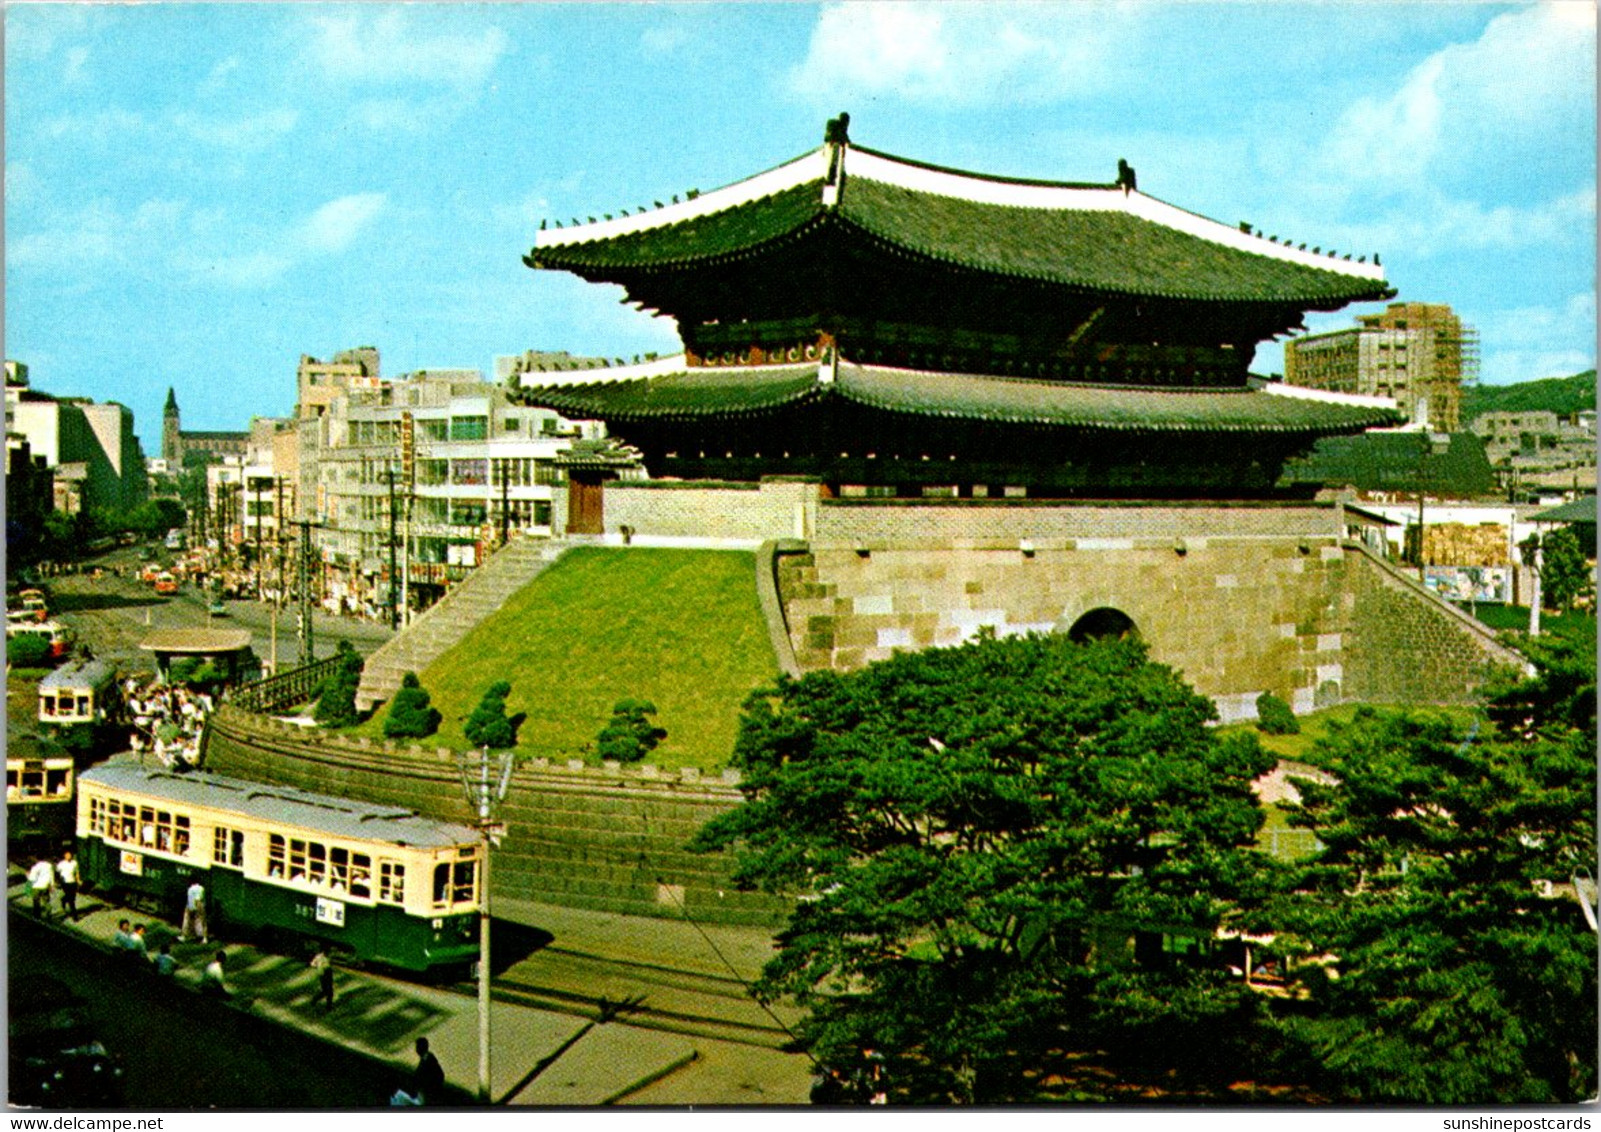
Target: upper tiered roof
[1102, 238]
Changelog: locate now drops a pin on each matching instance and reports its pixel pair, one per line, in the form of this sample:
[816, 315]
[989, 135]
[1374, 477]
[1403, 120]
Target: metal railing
[286, 689]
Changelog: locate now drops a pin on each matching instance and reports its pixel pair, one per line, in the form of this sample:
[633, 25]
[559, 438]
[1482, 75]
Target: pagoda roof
[669, 390]
[1095, 237]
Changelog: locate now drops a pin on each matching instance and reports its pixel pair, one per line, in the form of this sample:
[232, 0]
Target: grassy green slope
[1563, 395]
[681, 628]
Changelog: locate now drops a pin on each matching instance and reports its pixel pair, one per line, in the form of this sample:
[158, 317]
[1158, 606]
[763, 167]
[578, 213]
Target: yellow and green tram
[39, 801]
[380, 884]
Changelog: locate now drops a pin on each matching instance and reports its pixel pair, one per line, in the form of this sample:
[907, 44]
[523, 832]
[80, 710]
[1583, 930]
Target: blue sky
[196, 195]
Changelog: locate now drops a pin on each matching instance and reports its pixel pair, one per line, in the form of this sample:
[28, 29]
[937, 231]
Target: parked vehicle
[57, 637]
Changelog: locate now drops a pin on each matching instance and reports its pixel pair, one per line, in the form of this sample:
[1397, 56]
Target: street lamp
[484, 789]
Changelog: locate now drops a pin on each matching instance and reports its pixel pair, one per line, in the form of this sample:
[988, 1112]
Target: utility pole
[484, 791]
[505, 510]
[308, 648]
[261, 587]
[394, 579]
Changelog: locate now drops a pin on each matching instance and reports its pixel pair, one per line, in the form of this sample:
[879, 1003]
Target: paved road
[113, 614]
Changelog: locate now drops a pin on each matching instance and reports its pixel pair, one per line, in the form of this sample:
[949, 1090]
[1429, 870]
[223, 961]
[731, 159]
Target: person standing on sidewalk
[428, 1083]
[67, 874]
[324, 967]
[194, 914]
[39, 884]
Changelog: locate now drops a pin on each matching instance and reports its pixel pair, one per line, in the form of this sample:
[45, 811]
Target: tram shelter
[227, 650]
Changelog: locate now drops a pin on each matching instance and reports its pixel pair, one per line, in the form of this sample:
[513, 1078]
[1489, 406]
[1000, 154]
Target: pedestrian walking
[324, 967]
[67, 874]
[194, 914]
[164, 964]
[40, 879]
[428, 1082]
[211, 979]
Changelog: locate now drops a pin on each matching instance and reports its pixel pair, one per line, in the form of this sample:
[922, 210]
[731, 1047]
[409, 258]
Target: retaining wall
[604, 838]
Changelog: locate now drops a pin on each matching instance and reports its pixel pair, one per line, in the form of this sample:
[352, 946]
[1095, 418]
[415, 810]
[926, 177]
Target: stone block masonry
[609, 839]
[1304, 617]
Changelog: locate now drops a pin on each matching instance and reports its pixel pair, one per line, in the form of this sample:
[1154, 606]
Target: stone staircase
[450, 619]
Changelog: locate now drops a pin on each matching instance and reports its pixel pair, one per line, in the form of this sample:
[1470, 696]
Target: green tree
[629, 735]
[27, 650]
[1461, 979]
[488, 726]
[1275, 717]
[336, 695]
[975, 835]
[410, 714]
[1565, 577]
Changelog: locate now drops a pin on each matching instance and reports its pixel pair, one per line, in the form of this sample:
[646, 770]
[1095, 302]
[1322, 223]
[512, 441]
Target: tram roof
[283, 806]
[79, 674]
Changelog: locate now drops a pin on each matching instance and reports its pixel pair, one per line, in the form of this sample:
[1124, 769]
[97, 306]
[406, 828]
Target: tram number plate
[330, 912]
[132, 863]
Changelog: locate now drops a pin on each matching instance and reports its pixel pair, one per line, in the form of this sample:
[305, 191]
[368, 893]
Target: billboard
[1469, 583]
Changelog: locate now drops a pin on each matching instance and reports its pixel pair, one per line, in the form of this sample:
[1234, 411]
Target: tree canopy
[977, 835]
[1445, 890]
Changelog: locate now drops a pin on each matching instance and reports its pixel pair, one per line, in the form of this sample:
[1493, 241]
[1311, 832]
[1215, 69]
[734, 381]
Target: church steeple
[171, 431]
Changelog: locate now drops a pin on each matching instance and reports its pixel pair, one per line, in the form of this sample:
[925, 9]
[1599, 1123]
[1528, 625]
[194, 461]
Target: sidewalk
[540, 1056]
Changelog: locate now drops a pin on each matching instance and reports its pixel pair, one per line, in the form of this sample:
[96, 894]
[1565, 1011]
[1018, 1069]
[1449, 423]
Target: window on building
[470, 473]
[469, 428]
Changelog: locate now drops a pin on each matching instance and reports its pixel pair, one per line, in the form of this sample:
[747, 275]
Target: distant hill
[1561, 395]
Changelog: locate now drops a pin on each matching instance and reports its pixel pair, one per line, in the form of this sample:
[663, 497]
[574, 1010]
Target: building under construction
[1421, 354]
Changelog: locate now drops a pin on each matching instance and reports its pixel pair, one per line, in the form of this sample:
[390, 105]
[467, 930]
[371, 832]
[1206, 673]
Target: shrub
[336, 695]
[410, 714]
[27, 650]
[488, 726]
[1274, 716]
[630, 736]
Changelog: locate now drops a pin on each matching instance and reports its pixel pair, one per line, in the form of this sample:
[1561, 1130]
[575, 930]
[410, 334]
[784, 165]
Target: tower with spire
[171, 433]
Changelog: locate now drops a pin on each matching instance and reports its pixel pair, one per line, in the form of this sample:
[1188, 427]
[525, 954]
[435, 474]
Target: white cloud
[217, 80]
[1434, 225]
[1528, 343]
[77, 65]
[965, 53]
[250, 134]
[394, 46]
[336, 224]
[111, 124]
[1524, 83]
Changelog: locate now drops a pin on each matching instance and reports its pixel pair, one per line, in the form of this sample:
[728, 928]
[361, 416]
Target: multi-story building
[1540, 448]
[97, 458]
[1419, 354]
[251, 497]
[318, 383]
[441, 463]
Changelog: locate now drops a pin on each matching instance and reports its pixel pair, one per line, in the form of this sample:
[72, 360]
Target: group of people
[167, 720]
[46, 878]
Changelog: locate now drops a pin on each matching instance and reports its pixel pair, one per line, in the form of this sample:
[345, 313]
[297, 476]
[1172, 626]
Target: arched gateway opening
[1100, 623]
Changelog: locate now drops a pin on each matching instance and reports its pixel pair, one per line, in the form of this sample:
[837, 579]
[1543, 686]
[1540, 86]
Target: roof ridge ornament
[836, 138]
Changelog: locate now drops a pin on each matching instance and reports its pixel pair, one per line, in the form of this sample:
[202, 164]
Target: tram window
[97, 811]
[392, 882]
[466, 873]
[339, 868]
[32, 782]
[180, 836]
[441, 884]
[228, 847]
[13, 780]
[164, 831]
[275, 855]
[318, 856]
[83, 705]
[297, 859]
[47, 705]
[360, 875]
[56, 782]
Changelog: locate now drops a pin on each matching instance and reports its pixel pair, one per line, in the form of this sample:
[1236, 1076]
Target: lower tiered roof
[685, 394]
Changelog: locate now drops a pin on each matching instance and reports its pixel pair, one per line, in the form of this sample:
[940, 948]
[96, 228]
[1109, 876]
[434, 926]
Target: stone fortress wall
[1241, 599]
[606, 838]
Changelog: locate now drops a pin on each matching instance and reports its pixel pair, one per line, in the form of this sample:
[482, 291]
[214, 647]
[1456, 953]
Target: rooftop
[1100, 237]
